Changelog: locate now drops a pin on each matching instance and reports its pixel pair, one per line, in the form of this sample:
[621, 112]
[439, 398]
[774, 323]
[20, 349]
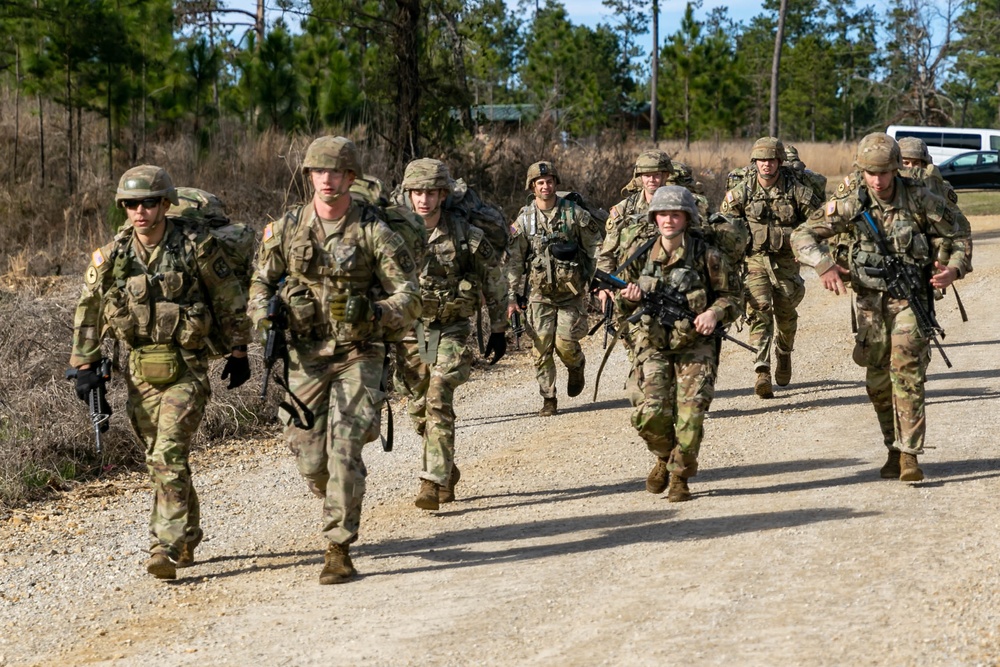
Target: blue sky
[592, 12]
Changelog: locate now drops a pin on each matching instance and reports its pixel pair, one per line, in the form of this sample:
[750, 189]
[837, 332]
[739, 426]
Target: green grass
[979, 202]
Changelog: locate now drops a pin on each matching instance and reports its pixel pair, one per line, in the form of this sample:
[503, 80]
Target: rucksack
[596, 212]
[405, 222]
[487, 217]
[238, 242]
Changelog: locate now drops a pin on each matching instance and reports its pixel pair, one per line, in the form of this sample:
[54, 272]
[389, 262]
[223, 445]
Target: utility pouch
[156, 364]
[355, 309]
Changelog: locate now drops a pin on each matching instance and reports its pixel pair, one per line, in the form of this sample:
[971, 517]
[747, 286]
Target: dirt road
[792, 552]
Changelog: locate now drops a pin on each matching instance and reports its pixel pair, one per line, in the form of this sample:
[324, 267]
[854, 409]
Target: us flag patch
[268, 232]
[831, 208]
[98, 257]
[729, 196]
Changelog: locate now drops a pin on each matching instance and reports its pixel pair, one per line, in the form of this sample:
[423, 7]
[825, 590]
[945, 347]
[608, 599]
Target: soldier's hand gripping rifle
[99, 409]
[903, 281]
[517, 323]
[275, 349]
[667, 306]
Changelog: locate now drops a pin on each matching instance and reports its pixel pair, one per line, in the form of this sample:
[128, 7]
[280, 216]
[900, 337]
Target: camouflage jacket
[558, 255]
[460, 264]
[621, 215]
[932, 178]
[697, 270]
[186, 295]
[772, 213]
[915, 223]
[361, 258]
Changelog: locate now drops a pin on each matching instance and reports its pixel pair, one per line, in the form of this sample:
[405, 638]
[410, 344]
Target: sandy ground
[792, 552]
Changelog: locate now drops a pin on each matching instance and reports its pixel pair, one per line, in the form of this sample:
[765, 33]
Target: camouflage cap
[195, 204]
[539, 169]
[878, 153]
[768, 148]
[651, 162]
[427, 174]
[673, 198]
[337, 153]
[913, 148]
[146, 181]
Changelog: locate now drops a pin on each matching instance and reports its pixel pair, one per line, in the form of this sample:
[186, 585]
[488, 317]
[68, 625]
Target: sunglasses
[147, 203]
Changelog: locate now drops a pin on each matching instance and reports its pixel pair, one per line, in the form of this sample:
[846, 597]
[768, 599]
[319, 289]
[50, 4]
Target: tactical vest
[771, 215]
[690, 277]
[166, 307]
[317, 271]
[904, 237]
[449, 286]
[555, 270]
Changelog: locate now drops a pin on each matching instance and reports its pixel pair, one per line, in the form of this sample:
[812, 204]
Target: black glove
[86, 381]
[498, 344]
[237, 370]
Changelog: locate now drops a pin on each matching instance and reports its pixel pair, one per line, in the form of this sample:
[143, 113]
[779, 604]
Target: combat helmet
[673, 198]
[336, 153]
[651, 162]
[682, 175]
[146, 181]
[197, 204]
[768, 148]
[878, 153]
[427, 174]
[792, 154]
[913, 148]
[539, 169]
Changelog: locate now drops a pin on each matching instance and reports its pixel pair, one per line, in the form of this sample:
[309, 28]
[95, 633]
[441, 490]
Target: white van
[944, 142]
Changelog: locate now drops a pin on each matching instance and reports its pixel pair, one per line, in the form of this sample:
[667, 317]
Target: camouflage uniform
[160, 302]
[889, 343]
[634, 205]
[916, 149]
[346, 283]
[435, 359]
[773, 285]
[557, 249]
[679, 365]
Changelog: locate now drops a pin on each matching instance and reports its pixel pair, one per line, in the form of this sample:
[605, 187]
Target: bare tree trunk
[407, 130]
[17, 107]
[41, 138]
[779, 38]
[654, 68]
[69, 128]
[259, 24]
[687, 112]
[111, 143]
[461, 78]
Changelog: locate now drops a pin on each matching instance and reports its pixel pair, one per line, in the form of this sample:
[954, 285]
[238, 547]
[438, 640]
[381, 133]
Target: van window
[994, 143]
[971, 142]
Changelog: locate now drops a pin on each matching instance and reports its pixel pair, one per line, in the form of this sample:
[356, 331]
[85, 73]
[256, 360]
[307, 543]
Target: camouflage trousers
[430, 389]
[773, 290]
[677, 390]
[894, 352]
[556, 329]
[166, 417]
[342, 390]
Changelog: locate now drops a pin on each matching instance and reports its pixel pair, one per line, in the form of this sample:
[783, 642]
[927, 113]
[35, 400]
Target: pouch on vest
[137, 289]
[194, 326]
[156, 364]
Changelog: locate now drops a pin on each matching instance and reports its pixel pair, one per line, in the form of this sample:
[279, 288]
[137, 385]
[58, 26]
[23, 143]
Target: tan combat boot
[427, 496]
[337, 567]
[782, 367]
[763, 385]
[185, 555]
[909, 471]
[656, 481]
[446, 493]
[576, 382]
[678, 491]
[891, 468]
[160, 566]
[548, 407]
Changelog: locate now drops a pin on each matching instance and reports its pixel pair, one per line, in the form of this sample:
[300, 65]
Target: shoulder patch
[831, 208]
[268, 232]
[485, 249]
[394, 242]
[98, 257]
[729, 196]
[91, 275]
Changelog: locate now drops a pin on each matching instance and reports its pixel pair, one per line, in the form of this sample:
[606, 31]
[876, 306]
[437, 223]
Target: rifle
[665, 305]
[517, 328]
[97, 400]
[903, 281]
[275, 348]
